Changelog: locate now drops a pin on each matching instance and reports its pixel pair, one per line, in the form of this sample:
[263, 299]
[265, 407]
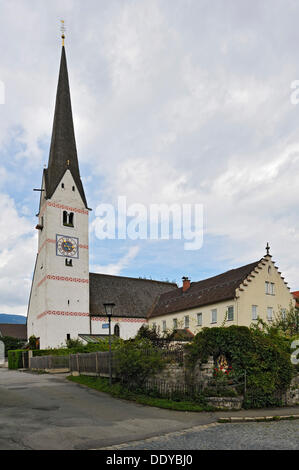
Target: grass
[116, 390]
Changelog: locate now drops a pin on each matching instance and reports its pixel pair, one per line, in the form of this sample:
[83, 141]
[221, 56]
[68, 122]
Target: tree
[287, 320]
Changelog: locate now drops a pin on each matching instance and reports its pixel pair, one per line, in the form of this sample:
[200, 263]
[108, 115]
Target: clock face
[67, 246]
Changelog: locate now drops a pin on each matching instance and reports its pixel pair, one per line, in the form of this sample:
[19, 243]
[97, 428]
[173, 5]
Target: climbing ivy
[263, 354]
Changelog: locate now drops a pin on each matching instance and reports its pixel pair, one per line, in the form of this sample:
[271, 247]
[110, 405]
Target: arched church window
[64, 217]
[68, 219]
[71, 219]
[116, 330]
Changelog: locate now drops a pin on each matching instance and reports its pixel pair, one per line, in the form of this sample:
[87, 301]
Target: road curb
[248, 419]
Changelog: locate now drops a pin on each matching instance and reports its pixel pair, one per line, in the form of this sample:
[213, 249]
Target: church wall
[128, 326]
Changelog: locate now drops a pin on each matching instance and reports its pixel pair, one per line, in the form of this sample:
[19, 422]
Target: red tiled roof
[208, 291]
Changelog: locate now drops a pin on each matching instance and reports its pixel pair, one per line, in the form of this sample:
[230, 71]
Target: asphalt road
[48, 412]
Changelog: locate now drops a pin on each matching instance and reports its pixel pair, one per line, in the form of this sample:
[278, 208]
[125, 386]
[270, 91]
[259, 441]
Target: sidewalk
[263, 414]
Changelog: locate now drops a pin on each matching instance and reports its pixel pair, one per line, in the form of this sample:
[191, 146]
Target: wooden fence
[49, 362]
[96, 363]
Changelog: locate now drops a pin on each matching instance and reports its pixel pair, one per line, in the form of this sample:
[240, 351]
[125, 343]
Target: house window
[199, 319]
[68, 219]
[175, 323]
[68, 262]
[269, 313]
[254, 312]
[230, 313]
[187, 321]
[116, 331]
[68, 336]
[73, 188]
[214, 315]
[284, 313]
[272, 288]
[164, 327]
[62, 185]
[267, 288]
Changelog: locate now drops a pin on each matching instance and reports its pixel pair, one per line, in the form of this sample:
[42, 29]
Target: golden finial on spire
[62, 29]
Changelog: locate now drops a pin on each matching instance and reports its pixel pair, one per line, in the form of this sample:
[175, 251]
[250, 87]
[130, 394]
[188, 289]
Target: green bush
[263, 354]
[136, 361]
[78, 347]
[15, 359]
[11, 343]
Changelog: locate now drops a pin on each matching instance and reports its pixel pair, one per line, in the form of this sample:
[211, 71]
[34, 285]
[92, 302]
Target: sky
[174, 101]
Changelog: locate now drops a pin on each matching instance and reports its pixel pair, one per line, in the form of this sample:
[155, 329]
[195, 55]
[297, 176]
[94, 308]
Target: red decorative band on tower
[59, 312]
[63, 278]
[62, 206]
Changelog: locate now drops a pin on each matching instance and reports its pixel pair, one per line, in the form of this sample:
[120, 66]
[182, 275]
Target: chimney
[186, 283]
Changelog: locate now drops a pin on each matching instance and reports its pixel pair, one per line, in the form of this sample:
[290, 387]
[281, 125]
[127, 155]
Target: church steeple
[63, 151]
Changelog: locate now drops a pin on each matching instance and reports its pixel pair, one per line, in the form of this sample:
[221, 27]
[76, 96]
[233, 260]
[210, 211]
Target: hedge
[15, 359]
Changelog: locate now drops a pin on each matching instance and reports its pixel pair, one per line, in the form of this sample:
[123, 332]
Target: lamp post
[109, 311]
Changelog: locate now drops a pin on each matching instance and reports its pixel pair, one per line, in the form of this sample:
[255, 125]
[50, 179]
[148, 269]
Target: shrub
[11, 343]
[263, 354]
[136, 361]
[15, 359]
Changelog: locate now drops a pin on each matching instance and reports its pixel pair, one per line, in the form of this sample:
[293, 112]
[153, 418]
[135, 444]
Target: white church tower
[59, 299]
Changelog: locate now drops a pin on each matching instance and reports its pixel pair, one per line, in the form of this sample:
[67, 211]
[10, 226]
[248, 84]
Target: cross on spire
[268, 249]
[62, 29]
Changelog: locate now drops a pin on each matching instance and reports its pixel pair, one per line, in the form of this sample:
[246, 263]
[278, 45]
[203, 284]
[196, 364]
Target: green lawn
[102, 385]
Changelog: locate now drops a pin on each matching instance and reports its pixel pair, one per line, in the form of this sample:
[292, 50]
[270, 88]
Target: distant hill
[6, 318]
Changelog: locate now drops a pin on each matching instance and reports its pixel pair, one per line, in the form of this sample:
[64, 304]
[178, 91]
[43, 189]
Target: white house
[237, 297]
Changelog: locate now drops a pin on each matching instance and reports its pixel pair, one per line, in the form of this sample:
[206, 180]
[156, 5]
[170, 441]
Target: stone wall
[292, 395]
[227, 403]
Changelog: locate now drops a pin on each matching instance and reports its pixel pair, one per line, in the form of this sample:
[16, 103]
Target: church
[66, 300]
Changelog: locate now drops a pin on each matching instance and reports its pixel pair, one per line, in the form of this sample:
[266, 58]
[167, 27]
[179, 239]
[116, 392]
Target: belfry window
[68, 262]
[68, 219]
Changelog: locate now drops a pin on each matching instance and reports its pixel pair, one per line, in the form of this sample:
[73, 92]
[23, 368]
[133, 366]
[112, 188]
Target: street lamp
[109, 306]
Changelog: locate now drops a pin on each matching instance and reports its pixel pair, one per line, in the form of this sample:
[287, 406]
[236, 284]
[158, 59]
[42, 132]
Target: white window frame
[230, 319]
[164, 325]
[254, 314]
[187, 321]
[269, 317]
[199, 319]
[214, 315]
[272, 288]
[175, 323]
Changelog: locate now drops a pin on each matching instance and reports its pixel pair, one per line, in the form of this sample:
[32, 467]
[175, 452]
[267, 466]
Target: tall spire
[63, 152]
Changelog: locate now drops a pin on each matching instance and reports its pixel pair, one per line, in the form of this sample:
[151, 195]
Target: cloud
[173, 103]
[119, 266]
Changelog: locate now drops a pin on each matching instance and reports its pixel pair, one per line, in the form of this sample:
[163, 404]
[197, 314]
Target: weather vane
[62, 29]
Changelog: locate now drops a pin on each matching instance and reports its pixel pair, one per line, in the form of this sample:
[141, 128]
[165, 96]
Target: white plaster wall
[60, 295]
[206, 311]
[128, 327]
